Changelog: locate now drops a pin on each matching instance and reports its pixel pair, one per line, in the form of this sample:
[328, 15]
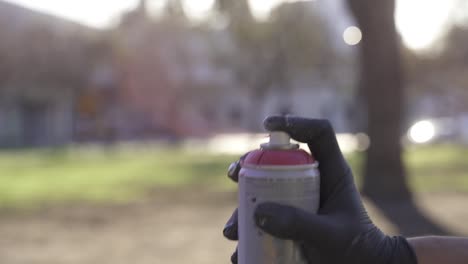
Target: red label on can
[278, 157]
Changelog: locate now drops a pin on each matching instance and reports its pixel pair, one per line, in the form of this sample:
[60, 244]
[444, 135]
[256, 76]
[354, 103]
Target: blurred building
[151, 78]
[43, 65]
[180, 80]
[167, 78]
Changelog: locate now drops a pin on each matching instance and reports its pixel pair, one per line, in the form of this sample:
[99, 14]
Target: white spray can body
[278, 172]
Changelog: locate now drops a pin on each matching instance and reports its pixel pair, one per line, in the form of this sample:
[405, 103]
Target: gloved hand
[341, 232]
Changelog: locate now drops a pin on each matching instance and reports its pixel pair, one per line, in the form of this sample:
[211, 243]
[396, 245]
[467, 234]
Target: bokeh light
[422, 132]
[352, 35]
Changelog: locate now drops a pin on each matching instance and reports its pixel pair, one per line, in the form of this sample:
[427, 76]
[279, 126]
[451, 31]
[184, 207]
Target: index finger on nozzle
[318, 134]
[275, 123]
[301, 129]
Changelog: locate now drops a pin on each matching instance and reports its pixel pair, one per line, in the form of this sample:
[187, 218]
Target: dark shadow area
[409, 219]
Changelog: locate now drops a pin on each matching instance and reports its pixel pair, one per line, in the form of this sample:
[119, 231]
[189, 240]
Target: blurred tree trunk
[382, 84]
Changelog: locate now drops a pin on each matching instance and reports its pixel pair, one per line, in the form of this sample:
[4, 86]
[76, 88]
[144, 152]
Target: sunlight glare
[261, 8]
[198, 9]
[421, 22]
[89, 12]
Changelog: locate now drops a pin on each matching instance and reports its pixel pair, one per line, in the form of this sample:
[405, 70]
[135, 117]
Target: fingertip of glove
[233, 171]
[264, 213]
[298, 126]
[230, 231]
[234, 258]
[268, 207]
[274, 122]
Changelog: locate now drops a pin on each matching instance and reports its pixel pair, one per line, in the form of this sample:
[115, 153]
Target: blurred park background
[118, 119]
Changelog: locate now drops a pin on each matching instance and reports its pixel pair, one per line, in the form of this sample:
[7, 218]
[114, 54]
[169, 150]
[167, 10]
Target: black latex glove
[341, 232]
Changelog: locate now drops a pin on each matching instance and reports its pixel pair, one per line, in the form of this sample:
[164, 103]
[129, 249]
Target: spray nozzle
[279, 140]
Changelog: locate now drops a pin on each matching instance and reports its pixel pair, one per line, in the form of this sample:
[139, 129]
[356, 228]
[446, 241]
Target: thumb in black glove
[341, 232]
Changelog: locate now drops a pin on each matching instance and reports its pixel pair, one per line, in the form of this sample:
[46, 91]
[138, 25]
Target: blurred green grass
[34, 177]
[430, 168]
[30, 178]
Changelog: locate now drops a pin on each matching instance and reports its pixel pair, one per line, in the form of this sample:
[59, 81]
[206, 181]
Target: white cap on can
[279, 140]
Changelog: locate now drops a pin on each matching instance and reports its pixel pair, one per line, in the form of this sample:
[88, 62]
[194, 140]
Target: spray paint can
[277, 172]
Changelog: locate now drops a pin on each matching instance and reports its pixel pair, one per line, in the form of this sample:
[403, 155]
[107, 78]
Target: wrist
[404, 251]
[373, 246]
